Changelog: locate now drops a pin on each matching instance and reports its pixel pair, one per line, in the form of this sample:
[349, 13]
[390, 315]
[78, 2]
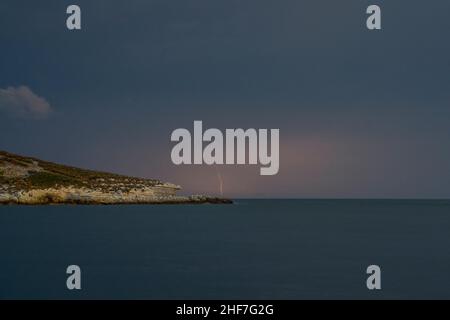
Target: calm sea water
[255, 249]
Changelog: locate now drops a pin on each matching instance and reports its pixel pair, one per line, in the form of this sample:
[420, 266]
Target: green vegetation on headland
[25, 180]
[31, 173]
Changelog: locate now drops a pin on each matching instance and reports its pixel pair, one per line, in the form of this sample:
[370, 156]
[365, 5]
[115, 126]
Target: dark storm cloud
[360, 113]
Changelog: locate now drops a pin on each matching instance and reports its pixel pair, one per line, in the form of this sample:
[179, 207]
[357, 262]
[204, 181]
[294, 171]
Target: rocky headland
[30, 181]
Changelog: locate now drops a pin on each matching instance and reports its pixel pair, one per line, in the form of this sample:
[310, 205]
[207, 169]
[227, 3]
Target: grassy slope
[60, 175]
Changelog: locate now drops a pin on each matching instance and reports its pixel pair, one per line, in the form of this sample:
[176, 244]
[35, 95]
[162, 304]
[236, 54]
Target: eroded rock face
[155, 194]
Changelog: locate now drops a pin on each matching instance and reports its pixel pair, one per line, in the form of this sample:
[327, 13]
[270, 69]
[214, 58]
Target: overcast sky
[361, 113]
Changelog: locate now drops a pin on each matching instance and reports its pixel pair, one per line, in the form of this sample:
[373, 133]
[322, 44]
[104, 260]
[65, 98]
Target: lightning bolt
[219, 176]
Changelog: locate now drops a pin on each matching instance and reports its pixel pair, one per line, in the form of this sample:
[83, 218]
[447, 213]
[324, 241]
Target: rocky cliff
[25, 180]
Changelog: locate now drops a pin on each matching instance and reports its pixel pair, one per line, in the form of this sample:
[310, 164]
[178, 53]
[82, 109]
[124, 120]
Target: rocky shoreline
[29, 181]
[94, 197]
[168, 201]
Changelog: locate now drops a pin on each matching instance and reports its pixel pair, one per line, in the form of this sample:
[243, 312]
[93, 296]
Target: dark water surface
[268, 249]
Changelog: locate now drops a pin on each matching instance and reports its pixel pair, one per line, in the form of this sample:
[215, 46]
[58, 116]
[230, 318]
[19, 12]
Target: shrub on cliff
[48, 180]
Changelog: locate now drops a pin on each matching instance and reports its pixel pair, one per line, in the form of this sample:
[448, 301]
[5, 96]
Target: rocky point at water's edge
[30, 181]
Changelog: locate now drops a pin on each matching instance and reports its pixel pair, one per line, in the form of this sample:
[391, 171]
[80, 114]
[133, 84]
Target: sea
[253, 249]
